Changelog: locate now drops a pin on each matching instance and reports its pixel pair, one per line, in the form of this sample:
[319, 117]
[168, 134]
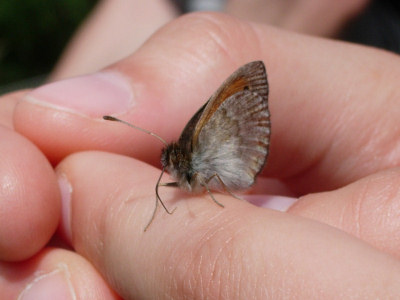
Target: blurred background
[33, 33]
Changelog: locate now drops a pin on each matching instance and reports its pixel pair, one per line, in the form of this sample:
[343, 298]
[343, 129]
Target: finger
[30, 198]
[205, 251]
[326, 100]
[7, 105]
[367, 209]
[53, 274]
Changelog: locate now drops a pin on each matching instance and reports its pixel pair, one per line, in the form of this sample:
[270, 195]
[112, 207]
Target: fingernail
[53, 285]
[66, 192]
[279, 203]
[92, 95]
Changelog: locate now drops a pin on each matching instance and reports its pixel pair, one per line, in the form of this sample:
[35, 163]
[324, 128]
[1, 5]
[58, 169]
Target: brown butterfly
[226, 143]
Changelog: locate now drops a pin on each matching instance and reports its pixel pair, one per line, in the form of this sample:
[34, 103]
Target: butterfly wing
[185, 140]
[251, 76]
[231, 133]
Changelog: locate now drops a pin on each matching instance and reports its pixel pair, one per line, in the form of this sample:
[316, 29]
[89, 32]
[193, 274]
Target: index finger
[326, 100]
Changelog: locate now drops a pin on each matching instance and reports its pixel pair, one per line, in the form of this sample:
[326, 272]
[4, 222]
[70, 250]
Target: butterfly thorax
[177, 162]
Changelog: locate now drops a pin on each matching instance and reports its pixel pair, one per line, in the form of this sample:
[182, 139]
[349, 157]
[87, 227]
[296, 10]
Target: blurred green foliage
[33, 34]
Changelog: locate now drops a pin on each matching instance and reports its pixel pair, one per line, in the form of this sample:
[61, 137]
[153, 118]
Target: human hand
[328, 135]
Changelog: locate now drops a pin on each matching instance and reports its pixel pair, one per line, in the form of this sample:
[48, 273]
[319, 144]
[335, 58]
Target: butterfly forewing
[251, 76]
[231, 137]
[185, 140]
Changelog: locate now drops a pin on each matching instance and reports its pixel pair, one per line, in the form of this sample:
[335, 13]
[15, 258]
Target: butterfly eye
[246, 88]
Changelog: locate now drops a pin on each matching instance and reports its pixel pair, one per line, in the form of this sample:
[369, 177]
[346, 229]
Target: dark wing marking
[251, 77]
[185, 140]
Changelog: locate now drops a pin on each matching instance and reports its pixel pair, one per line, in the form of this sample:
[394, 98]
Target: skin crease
[240, 251]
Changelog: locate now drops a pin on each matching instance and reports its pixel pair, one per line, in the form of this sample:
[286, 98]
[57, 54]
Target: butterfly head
[177, 163]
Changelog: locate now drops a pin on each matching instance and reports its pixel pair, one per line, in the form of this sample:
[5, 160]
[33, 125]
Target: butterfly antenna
[110, 118]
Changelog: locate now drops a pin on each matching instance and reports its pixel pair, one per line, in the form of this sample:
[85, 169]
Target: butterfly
[226, 143]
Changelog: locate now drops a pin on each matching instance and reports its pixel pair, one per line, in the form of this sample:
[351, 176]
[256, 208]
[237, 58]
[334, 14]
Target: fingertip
[53, 274]
[30, 207]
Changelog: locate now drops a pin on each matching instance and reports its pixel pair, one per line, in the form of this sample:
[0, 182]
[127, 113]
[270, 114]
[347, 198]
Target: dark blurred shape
[378, 26]
[32, 36]
[186, 6]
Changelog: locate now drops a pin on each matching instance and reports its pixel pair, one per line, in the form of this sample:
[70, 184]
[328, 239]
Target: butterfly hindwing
[235, 141]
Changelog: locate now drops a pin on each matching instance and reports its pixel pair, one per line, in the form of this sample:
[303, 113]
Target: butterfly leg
[212, 196]
[158, 199]
[224, 186]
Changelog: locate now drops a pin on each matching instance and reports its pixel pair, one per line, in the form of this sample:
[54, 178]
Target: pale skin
[335, 113]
